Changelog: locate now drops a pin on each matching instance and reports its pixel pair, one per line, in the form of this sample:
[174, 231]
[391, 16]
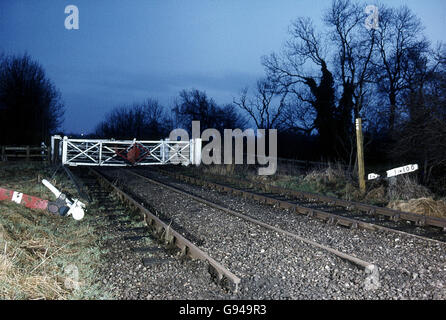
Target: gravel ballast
[123, 273]
[409, 267]
[271, 265]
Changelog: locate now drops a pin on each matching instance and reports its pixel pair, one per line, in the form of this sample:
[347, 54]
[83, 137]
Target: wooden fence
[28, 153]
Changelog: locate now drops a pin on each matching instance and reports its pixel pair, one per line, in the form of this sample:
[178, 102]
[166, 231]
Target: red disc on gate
[136, 153]
[133, 154]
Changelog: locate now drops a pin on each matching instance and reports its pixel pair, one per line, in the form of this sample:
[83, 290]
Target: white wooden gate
[92, 152]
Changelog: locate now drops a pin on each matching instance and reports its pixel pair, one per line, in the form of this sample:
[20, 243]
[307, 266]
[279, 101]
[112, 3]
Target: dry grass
[229, 170]
[406, 187]
[332, 181]
[36, 247]
[402, 193]
[425, 206]
[329, 175]
[226, 169]
[19, 283]
[26, 268]
[376, 195]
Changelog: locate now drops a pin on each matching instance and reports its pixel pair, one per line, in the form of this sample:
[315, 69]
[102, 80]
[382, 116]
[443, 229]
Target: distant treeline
[31, 107]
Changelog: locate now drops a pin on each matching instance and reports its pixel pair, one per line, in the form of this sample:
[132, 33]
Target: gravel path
[410, 268]
[271, 266]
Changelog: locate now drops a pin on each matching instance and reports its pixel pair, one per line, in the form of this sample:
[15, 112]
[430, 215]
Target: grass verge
[402, 193]
[42, 255]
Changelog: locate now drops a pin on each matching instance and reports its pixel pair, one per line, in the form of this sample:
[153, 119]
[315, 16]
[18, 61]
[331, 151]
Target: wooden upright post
[48, 154]
[360, 152]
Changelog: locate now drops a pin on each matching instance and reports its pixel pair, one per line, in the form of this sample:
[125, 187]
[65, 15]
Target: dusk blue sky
[127, 51]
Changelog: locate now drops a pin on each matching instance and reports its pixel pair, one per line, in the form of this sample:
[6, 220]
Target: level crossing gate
[99, 152]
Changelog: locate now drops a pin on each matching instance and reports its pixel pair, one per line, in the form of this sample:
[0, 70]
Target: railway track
[273, 260]
[367, 266]
[171, 236]
[139, 262]
[334, 211]
[225, 234]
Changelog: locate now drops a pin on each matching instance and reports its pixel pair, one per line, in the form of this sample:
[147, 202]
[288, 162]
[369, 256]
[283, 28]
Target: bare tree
[422, 137]
[354, 45]
[142, 121]
[400, 42]
[31, 107]
[346, 70]
[195, 105]
[267, 106]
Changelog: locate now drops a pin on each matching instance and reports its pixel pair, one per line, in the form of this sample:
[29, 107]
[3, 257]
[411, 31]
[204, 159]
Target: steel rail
[395, 215]
[186, 247]
[79, 185]
[368, 267]
[322, 215]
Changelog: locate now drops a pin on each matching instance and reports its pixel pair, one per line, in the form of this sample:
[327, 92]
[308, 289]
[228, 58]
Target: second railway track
[333, 210]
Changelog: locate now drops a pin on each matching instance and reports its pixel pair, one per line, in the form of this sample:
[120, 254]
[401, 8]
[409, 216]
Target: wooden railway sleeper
[331, 220]
[421, 222]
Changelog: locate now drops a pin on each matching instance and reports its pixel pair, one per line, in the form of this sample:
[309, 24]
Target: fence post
[163, 152]
[56, 148]
[64, 150]
[197, 151]
[191, 151]
[52, 160]
[3, 153]
[360, 152]
[27, 153]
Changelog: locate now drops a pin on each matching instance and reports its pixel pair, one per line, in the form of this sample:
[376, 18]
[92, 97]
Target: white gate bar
[101, 152]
